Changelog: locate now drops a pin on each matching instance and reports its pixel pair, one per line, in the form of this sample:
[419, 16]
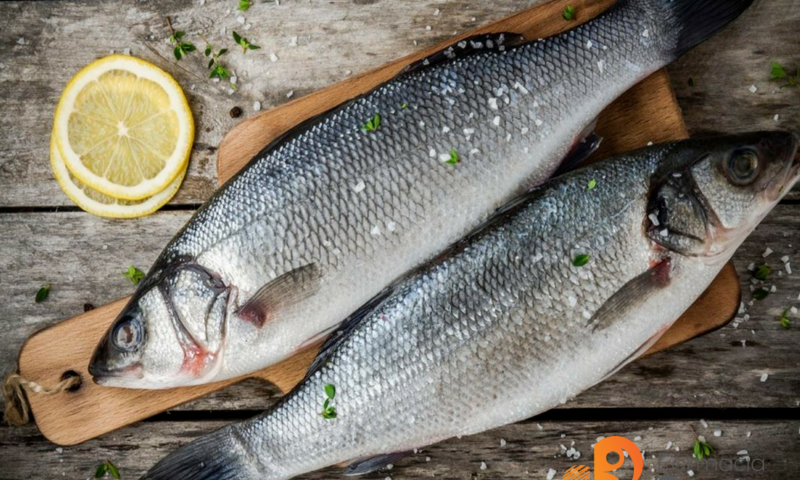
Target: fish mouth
[102, 376]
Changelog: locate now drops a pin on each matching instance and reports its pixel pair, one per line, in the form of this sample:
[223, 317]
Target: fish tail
[211, 457]
[690, 22]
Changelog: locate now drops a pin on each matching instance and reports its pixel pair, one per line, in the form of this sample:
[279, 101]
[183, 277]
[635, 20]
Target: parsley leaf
[569, 13]
[702, 449]
[133, 274]
[785, 322]
[329, 412]
[592, 184]
[762, 272]
[580, 260]
[778, 72]
[454, 158]
[107, 467]
[372, 124]
[760, 294]
[244, 43]
[244, 5]
[43, 292]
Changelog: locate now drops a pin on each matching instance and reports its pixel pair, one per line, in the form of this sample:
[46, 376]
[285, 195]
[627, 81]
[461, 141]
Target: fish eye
[128, 333]
[743, 166]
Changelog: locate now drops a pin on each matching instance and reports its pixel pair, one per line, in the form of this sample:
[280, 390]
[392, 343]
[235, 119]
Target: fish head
[707, 196]
[170, 333]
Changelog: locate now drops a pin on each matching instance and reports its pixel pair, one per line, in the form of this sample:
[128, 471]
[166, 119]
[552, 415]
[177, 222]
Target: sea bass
[508, 324]
[328, 216]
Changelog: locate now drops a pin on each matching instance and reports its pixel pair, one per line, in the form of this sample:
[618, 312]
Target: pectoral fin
[631, 294]
[372, 464]
[280, 294]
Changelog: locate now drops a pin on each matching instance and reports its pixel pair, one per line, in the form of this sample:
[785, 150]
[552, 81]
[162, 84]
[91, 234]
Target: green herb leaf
[569, 13]
[243, 43]
[107, 467]
[760, 294]
[592, 184]
[222, 52]
[178, 53]
[454, 158]
[244, 5]
[207, 51]
[329, 413]
[580, 260]
[372, 124]
[762, 272]
[777, 72]
[785, 322]
[43, 292]
[330, 391]
[702, 449]
[403, 106]
[133, 274]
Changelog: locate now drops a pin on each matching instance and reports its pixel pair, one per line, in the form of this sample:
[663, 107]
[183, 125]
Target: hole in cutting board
[71, 374]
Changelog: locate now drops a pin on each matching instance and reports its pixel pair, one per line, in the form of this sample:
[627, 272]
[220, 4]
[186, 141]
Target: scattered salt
[240, 19]
[589, 44]
[427, 27]
[788, 268]
[777, 117]
[717, 433]
[290, 93]
[704, 423]
[20, 41]
[436, 12]
[359, 187]
[600, 65]
[502, 442]
[690, 473]
[483, 465]
[653, 219]
[538, 122]
[59, 450]
[493, 103]
[551, 474]
[637, 438]
[539, 426]
[767, 252]
[753, 89]
[273, 57]
[496, 121]
[375, 231]
[256, 105]
[391, 226]
[293, 41]
[764, 377]
[646, 33]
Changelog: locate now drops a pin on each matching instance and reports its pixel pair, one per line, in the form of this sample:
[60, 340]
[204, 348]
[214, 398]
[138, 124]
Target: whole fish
[555, 294]
[325, 218]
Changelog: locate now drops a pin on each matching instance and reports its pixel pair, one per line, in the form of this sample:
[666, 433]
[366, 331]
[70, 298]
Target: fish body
[328, 216]
[505, 325]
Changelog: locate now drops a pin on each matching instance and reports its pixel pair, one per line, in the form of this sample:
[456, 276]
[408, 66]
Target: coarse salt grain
[256, 105]
[704, 423]
[273, 57]
[551, 474]
[777, 117]
[483, 465]
[767, 252]
[502, 442]
[359, 187]
[496, 121]
[717, 433]
[375, 231]
[764, 377]
[753, 89]
[290, 94]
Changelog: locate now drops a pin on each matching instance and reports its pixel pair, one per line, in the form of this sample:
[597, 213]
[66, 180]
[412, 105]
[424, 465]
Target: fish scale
[324, 195]
[462, 345]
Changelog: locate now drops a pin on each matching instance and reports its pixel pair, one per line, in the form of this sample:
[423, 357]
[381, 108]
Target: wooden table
[44, 238]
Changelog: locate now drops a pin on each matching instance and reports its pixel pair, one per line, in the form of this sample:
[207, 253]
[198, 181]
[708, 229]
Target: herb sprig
[760, 294]
[107, 467]
[592, 184]
[328, 412]
[777, 72]
[762, 272]
[181, 48]
[372, 124]
[245, 4]
[702, 449]
[569, 13]
[217, 69]
[580, 260]
[133, 274]
[454, 158]
[785, 322]
[43, 292]
[244, 43]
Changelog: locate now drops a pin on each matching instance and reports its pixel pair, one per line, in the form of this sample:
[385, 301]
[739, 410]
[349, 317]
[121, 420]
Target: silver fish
[505, 325]
[334, 212]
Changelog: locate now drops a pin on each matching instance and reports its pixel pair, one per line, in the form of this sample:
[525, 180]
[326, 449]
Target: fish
[326, 217]
[507, 324]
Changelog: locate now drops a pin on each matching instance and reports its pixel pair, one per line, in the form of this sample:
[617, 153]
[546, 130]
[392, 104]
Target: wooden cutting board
[647, 113]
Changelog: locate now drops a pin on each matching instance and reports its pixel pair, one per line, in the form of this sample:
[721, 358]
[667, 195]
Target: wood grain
[648, 113]
[527, 454]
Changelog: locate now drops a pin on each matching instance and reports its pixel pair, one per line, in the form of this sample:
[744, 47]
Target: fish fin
[498, 42]
[693, 21]
[283, 292]
[632, 293]
[346, 327]
[207, 458]
[633, 356]
[580, 152]
[372, 464]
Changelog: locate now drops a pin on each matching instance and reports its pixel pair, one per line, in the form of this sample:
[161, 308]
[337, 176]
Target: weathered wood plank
[61, 37]
[66, 249]
[528, 452]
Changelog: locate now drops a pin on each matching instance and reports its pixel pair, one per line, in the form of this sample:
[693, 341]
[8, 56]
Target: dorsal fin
[346, 327]
[498, 42]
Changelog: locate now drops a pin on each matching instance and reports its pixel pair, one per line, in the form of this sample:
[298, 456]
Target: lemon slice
[102, 205]
[123, 127]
